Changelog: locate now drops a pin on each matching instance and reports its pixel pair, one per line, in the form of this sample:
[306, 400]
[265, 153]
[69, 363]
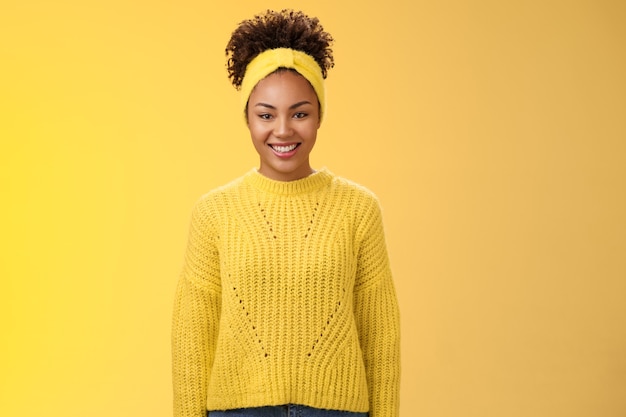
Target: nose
[282, 128]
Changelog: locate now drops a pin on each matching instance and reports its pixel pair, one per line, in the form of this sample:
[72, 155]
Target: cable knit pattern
[286, 296]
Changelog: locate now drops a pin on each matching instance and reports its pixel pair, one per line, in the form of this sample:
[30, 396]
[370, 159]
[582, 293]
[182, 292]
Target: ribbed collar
[305, 185]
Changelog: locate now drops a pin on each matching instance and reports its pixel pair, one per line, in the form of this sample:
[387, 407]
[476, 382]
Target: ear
[319, 113]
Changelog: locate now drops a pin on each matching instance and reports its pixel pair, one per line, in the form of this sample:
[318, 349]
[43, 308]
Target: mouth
[284, 149]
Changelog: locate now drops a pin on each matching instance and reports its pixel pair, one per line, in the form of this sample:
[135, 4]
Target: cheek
[312, 131]
[257, 133]
[254, 130]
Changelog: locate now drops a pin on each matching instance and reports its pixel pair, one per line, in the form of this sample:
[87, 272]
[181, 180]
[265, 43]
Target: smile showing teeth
[283, 149]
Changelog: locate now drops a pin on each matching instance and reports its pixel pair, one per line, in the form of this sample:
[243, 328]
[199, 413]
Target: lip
[284, 155]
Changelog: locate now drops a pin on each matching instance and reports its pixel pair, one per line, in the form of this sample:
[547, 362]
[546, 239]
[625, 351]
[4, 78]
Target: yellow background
[494, 133]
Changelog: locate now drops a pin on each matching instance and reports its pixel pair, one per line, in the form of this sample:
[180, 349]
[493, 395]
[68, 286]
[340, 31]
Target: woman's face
[283, 118]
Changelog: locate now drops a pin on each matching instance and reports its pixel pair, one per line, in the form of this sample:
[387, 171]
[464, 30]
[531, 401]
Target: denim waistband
[289, 410]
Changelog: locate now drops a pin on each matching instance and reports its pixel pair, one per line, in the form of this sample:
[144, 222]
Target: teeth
[283, 149]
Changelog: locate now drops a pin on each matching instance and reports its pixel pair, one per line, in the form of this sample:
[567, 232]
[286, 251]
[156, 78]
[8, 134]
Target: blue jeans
[290, 410]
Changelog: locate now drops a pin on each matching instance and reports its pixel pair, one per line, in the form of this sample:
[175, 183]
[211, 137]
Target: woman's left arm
[377, 316]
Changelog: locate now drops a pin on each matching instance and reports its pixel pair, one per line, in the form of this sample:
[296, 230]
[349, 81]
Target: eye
[300, 115]
[265, 116]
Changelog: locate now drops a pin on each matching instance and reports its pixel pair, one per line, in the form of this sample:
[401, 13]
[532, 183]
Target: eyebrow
[293, 106]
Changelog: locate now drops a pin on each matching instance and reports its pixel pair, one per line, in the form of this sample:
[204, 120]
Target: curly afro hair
[271, 30]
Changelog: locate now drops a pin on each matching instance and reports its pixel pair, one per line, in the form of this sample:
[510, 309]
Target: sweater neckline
[304, 185]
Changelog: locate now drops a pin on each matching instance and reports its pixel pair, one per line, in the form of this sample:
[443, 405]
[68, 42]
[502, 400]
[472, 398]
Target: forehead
[283, 86]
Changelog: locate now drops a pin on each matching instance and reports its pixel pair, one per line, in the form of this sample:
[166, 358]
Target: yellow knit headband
[269, 61]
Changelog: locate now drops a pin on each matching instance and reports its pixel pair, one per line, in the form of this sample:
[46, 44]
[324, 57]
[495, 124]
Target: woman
[285, 305]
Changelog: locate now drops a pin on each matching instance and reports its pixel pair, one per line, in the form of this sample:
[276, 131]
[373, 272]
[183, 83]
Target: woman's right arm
[196, 318]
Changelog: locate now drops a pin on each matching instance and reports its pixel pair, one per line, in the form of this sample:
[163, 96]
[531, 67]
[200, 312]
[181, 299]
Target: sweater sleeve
[377, 316]
[196, 316]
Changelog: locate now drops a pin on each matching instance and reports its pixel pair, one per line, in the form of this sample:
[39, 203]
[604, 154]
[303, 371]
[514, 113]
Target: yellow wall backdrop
[494, 133]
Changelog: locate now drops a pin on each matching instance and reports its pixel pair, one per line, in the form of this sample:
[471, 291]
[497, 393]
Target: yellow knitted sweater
[286, 296]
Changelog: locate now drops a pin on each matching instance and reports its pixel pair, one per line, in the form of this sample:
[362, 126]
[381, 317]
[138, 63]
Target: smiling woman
[286, 302]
